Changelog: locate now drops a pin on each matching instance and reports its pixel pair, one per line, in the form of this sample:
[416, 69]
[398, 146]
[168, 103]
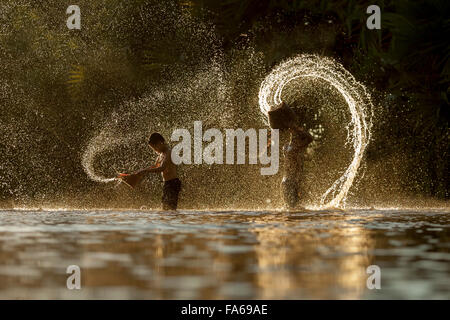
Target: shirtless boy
[293, 165]
[285, 119]
[163, 164]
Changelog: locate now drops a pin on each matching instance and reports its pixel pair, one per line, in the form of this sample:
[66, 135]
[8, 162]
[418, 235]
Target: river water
[225, 254]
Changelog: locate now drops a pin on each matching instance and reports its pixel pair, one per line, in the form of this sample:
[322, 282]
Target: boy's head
[157, 142]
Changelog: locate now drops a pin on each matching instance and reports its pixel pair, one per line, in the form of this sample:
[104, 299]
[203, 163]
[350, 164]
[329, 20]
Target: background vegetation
[57, 85]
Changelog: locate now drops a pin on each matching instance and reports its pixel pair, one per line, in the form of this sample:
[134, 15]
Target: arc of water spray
[355, 95]
[99, 144]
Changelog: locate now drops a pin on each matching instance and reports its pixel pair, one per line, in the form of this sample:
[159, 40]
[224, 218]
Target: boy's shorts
[171, 190]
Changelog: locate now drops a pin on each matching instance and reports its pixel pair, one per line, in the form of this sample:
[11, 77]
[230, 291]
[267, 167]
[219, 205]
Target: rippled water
[225, 255]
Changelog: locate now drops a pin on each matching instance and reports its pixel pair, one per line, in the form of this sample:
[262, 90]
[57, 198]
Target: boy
[163, 164]
[293, 165]
[285, 119]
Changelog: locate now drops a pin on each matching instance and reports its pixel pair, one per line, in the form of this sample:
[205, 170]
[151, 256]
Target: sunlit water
[225, 255]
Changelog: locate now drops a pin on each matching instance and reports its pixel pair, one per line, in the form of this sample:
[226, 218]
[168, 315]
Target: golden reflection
[306, 263]
[273, 255]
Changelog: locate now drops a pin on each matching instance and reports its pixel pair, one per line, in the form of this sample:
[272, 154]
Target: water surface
[225, 255]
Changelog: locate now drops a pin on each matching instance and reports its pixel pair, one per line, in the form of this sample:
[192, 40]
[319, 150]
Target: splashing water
[134, 120]
[96, 146]
[167, 103]
[194, 89]
[357, 99]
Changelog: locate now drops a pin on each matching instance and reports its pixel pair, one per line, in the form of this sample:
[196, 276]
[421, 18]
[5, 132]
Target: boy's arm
[159, 166]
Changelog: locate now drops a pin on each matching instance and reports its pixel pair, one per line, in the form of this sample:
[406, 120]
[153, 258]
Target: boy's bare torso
[293, 152]
[170, 171]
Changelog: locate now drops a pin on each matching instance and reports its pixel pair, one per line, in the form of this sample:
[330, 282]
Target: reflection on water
[225, 255]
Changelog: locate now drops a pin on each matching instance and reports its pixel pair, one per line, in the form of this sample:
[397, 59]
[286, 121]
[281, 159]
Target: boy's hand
[133, 179]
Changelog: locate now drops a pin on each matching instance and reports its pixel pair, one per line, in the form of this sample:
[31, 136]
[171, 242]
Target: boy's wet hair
[156, 138]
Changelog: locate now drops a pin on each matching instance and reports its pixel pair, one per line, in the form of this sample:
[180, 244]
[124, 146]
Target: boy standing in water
[293, 164]
[285, 119]
[163, 164]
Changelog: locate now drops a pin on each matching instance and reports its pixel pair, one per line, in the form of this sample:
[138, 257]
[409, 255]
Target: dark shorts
[171, 190]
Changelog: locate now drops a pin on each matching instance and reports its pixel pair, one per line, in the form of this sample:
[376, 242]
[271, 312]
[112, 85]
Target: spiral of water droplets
[357, 99]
